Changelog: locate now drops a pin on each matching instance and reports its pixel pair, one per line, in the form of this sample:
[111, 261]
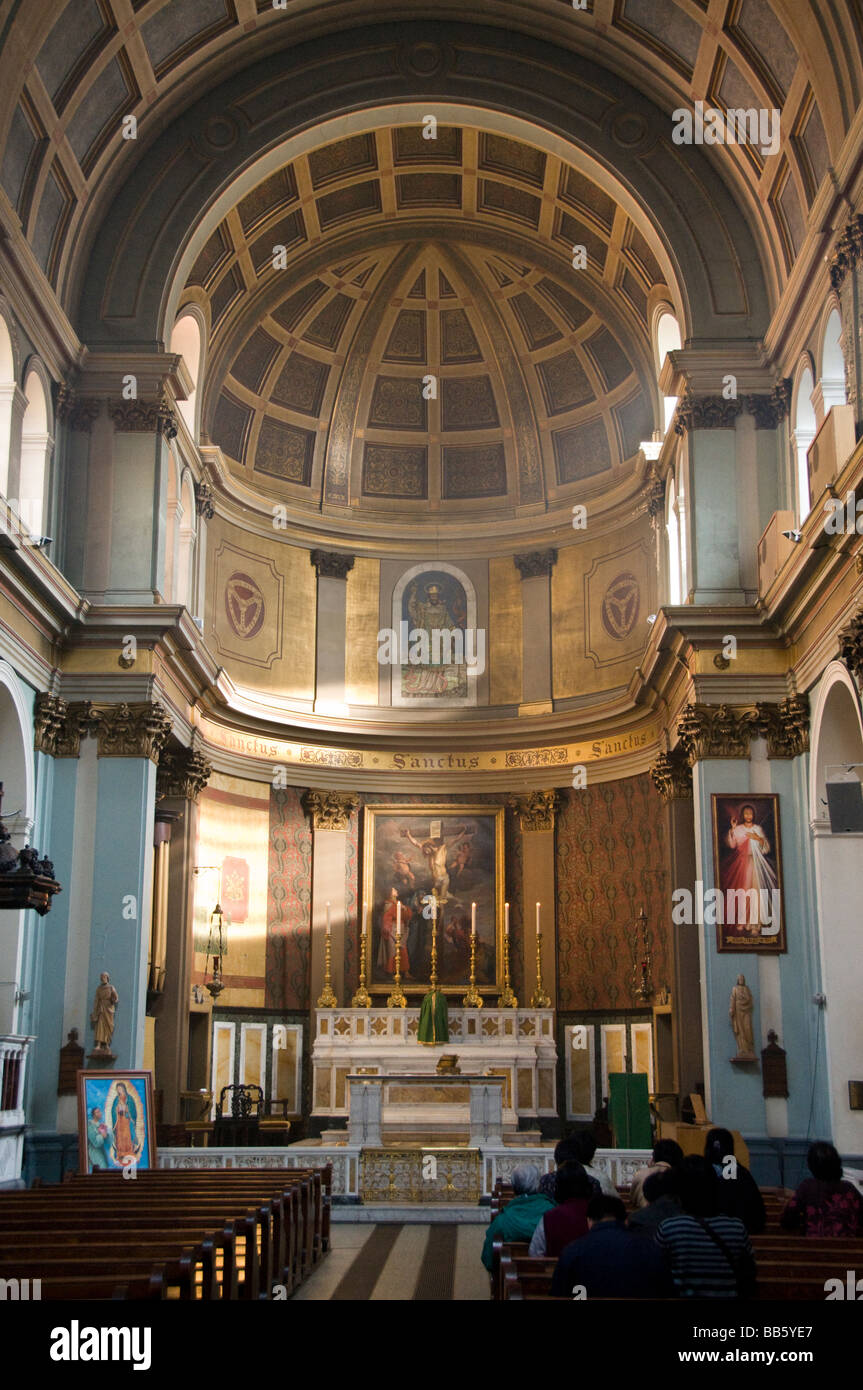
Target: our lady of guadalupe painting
[748, 911]
[115, 1120]
[454, 854]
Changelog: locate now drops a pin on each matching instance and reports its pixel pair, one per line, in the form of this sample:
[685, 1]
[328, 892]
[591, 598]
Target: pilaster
[536, 815]
[535, 569]
[332, 568]
[329, 813]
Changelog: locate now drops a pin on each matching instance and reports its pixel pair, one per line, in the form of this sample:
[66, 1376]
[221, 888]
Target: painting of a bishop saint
[748, 873]
[434, 604]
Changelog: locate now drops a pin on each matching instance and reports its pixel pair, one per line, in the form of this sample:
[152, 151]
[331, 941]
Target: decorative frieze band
[672, 775]
[723, 731]
[331, 564]
[535, 810]
[535, 563]
[123, 730]
[182, 773]
[330, 810]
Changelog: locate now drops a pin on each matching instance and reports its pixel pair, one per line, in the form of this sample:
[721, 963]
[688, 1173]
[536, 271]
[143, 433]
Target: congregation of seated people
[687, 1234]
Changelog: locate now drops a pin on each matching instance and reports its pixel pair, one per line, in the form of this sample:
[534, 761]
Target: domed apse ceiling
[445, 353]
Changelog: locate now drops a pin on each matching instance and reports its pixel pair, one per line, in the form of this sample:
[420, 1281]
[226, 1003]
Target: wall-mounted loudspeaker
[845, 807]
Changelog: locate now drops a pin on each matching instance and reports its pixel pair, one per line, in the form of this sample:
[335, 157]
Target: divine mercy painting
[454, 854]
[748, 864]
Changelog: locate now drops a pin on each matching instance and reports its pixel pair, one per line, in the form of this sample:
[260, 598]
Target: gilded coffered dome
[412, 325]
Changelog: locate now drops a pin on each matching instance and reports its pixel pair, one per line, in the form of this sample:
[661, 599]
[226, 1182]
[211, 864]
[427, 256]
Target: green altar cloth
[434, 1019]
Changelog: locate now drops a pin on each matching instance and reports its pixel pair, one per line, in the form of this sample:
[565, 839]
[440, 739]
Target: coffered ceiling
[445, 353]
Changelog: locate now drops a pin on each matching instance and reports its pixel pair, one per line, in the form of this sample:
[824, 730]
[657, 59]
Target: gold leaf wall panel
[260, 611]
[362, 623]
[504, 643]
[601, 595]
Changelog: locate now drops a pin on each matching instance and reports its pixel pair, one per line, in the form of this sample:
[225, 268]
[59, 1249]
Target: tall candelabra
[642, 970]
[397, 1000]
[326, 998]
[539, 999]
[433, 979]
[473, 998]
[362, 999]
[507, 999]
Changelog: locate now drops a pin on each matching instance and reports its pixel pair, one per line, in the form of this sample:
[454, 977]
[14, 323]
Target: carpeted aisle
[434, 1263]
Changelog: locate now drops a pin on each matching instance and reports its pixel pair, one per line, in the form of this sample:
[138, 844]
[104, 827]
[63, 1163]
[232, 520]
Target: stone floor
[400, 1261]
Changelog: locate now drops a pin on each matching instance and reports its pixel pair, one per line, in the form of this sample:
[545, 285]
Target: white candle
[434, 907]
[365, 917]
[398, 919]
[473, 919]
[537, 919]
[506, 918]
[329, 926]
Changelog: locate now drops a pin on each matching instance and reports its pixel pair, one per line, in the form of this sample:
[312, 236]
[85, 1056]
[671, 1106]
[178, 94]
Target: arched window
[804, 432]
[832, 381]
[184, 585]
[186, 340]
[667, 340]
[172, 529]
[675, 527]
[37, 443]
[7, 398]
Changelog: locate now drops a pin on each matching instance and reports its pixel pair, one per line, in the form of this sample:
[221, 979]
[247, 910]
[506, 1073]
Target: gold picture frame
[471, 869]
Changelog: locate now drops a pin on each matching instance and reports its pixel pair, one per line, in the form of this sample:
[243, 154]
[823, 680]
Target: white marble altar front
[387, 1109]
[515, 1044]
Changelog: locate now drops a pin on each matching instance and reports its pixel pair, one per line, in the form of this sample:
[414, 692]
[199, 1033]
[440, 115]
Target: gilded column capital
[672, 775]
[59, 726]
[144, 416]
[655, 496]
[132, 731]
[770, 410]
[848, 253]
[535, 810]
[714, 731]
[330, 810]
[535, 563]
[705, 413]
[851, 645]
[331, 564]
[49, 719]
[182, 773]
[785, 726]
[78, 412]
[204, 504]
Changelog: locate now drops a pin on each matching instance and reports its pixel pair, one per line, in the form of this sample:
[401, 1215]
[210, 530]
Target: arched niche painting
[437, 651]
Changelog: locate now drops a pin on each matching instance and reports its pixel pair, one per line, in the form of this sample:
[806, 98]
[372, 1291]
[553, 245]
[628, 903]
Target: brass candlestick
[433, 980]
[327, 999]
[507, 999]
[473, 998]
[539, 999]
[397, 1000]
[362, 999]
[642, 970]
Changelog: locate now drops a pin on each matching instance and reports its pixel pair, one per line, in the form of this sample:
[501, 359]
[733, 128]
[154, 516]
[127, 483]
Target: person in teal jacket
[520, 1217]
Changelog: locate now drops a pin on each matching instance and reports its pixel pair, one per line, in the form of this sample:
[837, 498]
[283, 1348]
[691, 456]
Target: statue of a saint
[740, 1009]
[102, 1017]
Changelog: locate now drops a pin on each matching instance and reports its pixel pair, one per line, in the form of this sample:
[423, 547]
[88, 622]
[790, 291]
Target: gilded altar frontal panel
[505, 653]
[260, 610]
[361, 626]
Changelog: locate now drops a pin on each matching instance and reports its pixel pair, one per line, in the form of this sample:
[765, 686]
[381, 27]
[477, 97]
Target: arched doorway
[17, 774]
[837, 745]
